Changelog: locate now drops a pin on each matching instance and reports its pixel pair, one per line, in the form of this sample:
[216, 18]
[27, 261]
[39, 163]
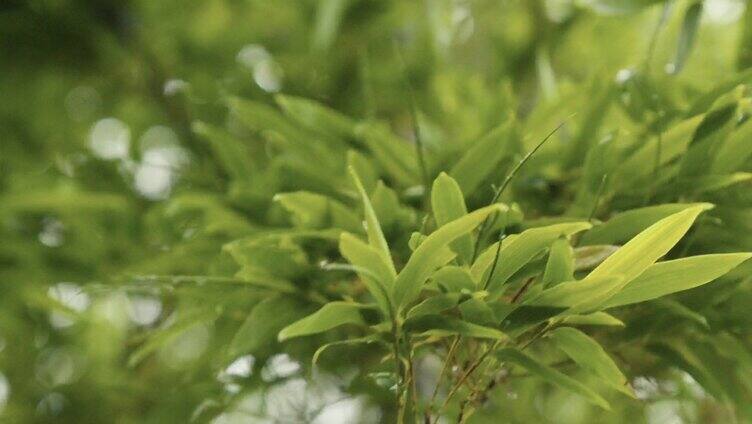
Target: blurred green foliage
[173, 187]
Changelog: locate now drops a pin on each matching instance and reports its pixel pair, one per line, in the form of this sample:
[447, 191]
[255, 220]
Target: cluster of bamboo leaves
[526, 250]
[416, 274]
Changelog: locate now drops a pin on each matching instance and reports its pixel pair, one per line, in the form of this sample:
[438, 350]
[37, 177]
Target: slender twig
[444, 368]
[484, 226]
[522, 290]
[419, 151]
[495, 261]
[597, 200]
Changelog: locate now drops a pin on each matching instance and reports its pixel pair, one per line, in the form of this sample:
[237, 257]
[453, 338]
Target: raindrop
[268, 76]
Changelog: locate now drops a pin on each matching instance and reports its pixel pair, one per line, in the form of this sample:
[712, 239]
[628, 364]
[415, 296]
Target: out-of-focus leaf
[588, 354]
[687, 36]
[735, 151]
[315, 116]
[551, 375]
[448, 204]
[393, 155]
[482, 158]
[668, 277]
[329, 15]
[312, 210]
[266, 319]
[233, 155]
[330, 316]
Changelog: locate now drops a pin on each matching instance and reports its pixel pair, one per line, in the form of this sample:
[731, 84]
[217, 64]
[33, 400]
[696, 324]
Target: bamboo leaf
[373, 228]
[560, 265]
[330, 316]
[518, 250]
[427, 256]
[379, 277]
[648, 246]
[588, 354]
[664, 278]
[551, 375]
[476, 165]
[267, 318]
[448, 204]
[442, 326]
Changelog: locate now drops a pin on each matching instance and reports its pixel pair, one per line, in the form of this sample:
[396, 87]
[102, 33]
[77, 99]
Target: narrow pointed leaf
[664, 278]
[378, 278]
[551, 375]
[427, 257]
[588, 354]
[448, 204]
[330, 316]
[518, 250]
[373, 228]
[649, 246]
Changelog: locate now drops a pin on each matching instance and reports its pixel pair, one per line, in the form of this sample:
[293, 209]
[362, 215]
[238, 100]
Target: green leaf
[596, 318]
[454, 279]
[517, 250]
[266, 319]
[373, 228]
[477, 164]
[312, 210]
[313, 115]
[434, 305]
[551, 375]
[448, 204]
[363, 167]
[370, 339]
[648, 246]
[583, 296]
[687, 35]
[664, 278]
[331, 315]
[427, 257]
[442, 326]
[231, 153]
[735, 150]
[589, 257]
[478, 312]
[624, 226]
[560, 265]
[378, 278]
[588, 354]
[392, 154]
[163, 336]
[640, 165]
